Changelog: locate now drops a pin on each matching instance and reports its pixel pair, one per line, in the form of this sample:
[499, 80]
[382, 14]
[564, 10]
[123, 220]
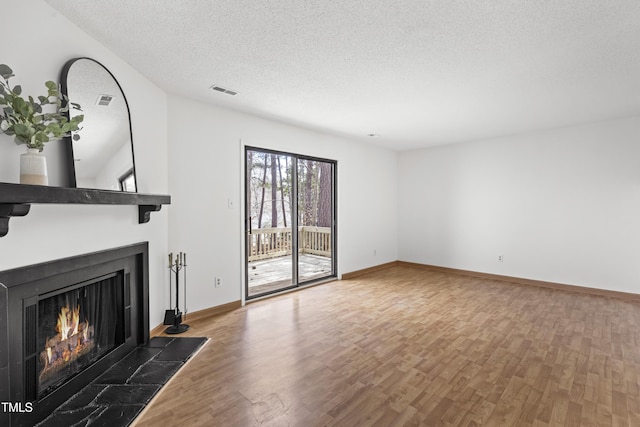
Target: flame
[68, 321]
[49, 354]
[85, 332]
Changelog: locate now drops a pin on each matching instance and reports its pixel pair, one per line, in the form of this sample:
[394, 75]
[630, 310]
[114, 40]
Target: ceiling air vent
[223, 90]
[104, 100]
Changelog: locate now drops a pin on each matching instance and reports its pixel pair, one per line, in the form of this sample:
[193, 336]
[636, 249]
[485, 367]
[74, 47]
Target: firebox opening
[76, 327]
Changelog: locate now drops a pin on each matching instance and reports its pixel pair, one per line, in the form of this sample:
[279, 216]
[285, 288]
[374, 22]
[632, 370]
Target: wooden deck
[275, 273]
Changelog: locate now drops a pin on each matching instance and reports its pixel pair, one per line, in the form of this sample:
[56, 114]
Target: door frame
[295, 284]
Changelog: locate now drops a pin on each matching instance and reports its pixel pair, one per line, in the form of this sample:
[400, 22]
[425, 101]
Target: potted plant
[34, 122]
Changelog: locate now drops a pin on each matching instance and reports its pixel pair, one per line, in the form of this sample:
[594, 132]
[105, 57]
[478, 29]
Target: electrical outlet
[500, 258]
[217, 282]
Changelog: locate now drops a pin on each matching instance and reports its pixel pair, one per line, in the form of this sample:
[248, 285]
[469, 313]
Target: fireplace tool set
[173, 316]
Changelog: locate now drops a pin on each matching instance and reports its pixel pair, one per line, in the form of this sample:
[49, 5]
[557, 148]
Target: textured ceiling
[416, 73]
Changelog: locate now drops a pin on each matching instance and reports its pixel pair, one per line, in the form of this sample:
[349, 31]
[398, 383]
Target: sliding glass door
[289, 220]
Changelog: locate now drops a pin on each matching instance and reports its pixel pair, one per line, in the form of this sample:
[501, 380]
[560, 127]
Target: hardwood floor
[405, 346]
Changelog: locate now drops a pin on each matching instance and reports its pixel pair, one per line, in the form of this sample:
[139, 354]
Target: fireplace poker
[169, 314]
[186, 310]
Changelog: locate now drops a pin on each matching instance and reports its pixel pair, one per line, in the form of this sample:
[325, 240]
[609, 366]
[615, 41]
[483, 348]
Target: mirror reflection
[102, 152]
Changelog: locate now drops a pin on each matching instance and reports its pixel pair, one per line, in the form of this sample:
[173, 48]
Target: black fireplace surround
[110, 292]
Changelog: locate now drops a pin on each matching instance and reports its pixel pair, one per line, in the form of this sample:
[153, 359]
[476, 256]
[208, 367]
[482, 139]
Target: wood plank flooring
[405, 346]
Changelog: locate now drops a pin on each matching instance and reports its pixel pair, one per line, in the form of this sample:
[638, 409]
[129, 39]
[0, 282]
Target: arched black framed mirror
[101, 154]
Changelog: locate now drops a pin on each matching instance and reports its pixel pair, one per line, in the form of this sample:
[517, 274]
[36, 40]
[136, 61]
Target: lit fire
[68, 321]
[74, 339]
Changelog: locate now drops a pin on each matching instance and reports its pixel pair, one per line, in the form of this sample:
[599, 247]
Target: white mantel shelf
[16, 200]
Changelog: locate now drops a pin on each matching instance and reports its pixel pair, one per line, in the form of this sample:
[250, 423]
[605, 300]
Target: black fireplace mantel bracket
[16, 200]
[144, 212]
[8, 210]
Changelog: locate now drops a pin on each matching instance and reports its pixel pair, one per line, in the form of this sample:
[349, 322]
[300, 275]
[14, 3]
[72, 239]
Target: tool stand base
[177, 329]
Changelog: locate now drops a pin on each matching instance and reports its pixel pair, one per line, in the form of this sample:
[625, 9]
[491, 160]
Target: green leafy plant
[35, 122]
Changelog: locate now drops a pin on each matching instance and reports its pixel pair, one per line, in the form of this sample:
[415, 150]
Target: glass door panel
[315, 219]
[269, 234]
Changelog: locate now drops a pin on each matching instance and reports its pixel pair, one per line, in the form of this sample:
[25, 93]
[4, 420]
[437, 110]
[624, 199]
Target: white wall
[206, 171]
[37, 43]
[560, 206]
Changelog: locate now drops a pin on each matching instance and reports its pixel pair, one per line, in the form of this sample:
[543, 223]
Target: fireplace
[67, 321]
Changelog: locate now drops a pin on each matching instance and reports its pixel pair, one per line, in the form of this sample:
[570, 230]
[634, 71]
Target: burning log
[74, 339]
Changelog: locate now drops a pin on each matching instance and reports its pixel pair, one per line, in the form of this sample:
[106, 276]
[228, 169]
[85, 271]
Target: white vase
[33, 168]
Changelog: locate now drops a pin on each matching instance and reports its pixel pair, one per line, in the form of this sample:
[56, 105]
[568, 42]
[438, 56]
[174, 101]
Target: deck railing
[275, 242]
